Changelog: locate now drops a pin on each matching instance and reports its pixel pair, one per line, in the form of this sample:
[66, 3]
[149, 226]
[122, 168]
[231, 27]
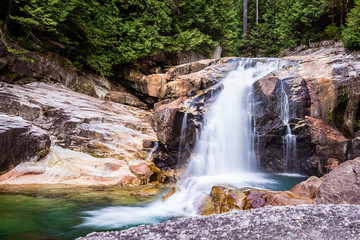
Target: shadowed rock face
[20, 142]
[93, 141]
[301, 222]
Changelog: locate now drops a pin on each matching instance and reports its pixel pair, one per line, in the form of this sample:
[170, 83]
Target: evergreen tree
[351, 34]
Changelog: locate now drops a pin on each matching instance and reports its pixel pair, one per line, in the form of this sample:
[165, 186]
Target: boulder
[335, 222]
[341, 185]
[307, 188]
[20, 142]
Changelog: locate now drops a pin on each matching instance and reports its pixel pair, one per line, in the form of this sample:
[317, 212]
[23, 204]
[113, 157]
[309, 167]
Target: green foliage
[333, 31]
[99, 34]
[351, 34]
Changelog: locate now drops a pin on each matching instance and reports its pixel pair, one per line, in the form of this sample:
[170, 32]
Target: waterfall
[224, 153]
[289, 140]
[182, 136]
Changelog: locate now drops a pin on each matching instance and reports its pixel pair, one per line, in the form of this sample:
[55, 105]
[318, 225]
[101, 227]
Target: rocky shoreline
[318, 222]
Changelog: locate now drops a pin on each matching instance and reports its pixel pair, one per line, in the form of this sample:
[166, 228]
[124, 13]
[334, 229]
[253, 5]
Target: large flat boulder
[323, 222]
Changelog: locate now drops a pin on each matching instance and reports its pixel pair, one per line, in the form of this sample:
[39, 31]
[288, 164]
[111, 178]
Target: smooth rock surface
[93, 141]
[317, 222]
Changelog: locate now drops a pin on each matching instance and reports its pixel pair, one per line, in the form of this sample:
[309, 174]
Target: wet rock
[287, 222]
[223, 199]
[168, 121]
[341, 185]
[171, 191]
[141, 170]
[270, 129]
[20, 142]
[323, 88]
[227, 198]
[330, 143]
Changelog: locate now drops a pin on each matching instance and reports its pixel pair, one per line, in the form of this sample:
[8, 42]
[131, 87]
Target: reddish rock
[341, 185]
[307, 188]
[141, 170]
[332, 163]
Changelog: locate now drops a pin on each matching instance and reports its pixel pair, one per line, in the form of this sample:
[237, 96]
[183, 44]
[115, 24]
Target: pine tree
[351, 34]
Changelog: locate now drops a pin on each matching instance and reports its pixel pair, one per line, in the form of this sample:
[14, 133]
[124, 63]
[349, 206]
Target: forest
[99, 34]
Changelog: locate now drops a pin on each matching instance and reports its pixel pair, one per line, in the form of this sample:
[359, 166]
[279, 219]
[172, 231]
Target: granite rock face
[315, 222]
[322, 86]
[93, 141]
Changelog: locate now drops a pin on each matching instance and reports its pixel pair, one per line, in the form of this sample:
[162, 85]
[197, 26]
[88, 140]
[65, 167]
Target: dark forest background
[99, 34]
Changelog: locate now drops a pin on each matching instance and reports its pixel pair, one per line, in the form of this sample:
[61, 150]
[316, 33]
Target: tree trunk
[5, 28]
[245, 16]
[257, 11]
[341, 12]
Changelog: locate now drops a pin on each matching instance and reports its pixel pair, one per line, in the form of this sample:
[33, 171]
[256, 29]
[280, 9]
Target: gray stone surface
[301, 222]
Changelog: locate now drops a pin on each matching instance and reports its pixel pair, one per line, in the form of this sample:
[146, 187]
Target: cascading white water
[182, 136]
[289, 140]
[224, 154]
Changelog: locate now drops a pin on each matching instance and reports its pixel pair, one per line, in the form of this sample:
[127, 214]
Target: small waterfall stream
[224, 153]
[289, 140]
[182, 136]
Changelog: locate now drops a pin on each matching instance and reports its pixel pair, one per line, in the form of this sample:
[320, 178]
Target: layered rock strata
[94, 142]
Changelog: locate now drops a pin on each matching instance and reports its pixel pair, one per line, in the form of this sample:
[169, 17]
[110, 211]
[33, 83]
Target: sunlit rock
[307, 188]
[227, 198]
[93, 141]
